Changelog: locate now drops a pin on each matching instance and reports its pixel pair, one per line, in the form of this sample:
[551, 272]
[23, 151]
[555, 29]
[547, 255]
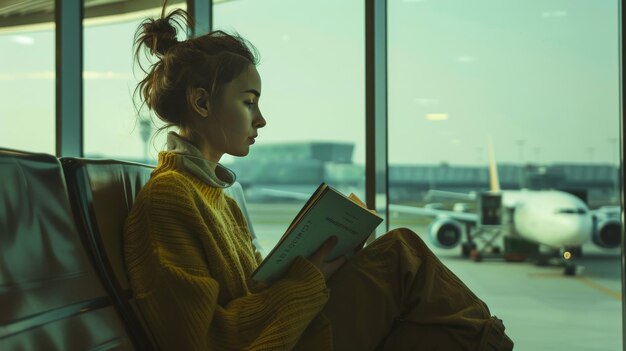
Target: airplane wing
[413, 210]
[284, 194]
[432, 194]
[429, 212]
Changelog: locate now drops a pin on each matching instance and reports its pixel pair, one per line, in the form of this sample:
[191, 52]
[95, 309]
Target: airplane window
[572, 211]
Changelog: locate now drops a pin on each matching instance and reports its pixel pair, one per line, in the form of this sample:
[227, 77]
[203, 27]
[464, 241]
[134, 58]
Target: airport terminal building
[301, 166]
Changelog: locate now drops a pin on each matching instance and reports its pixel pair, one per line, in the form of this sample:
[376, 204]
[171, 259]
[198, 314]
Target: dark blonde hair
[209, 61]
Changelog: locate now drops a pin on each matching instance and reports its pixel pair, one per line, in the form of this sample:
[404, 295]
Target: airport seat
[51, 296]
[102, 193]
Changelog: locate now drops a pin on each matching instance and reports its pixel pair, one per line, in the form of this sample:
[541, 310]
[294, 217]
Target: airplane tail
[494, 181]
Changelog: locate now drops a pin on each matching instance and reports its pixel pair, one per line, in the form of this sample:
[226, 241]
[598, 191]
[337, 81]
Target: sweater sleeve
[178, 295]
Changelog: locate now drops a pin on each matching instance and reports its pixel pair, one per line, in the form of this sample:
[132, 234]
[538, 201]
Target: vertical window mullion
[202, 13]
[69, 85]
[621, 164]
[376, 166]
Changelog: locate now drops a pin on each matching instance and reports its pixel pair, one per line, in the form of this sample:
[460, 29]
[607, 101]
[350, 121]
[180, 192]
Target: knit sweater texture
[189, 256]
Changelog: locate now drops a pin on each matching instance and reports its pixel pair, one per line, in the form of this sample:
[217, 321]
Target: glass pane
[537, 84]
[111, 126]
[27, 87]
[312, 99]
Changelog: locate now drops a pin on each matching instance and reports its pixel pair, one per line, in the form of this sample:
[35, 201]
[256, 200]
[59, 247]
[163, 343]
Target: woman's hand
[319, 258]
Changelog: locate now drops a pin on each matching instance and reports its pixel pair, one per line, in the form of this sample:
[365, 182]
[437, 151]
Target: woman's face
[233, 124]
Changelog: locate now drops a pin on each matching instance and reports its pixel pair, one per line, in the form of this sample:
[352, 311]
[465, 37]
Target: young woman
[189, 253]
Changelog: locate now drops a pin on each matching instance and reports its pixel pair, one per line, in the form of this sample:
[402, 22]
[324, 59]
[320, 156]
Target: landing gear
[570, 270]
[570, 267]
[542, 260]
[469, 244]
[476, 256]
[466, 249]
[487, 236]
[576, 251]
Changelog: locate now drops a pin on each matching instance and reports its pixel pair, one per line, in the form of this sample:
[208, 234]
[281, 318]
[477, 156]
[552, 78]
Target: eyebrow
[256, 93]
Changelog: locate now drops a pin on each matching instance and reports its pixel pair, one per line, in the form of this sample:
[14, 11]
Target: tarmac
[542, 309]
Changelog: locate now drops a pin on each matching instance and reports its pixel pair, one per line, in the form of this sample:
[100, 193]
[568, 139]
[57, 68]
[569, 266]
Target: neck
[202, 145]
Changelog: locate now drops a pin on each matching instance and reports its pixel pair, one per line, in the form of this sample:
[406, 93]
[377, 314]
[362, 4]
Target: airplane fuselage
[549, 217]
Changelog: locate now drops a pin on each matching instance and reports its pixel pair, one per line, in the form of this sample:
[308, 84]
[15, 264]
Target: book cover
[326, 213]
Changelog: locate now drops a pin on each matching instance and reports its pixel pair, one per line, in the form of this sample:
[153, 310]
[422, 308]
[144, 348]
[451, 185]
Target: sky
[539, 77]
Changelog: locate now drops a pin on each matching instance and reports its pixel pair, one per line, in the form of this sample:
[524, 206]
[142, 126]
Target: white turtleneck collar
[194, 162]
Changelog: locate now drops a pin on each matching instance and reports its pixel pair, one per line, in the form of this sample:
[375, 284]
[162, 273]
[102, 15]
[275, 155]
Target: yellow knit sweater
[189, 256]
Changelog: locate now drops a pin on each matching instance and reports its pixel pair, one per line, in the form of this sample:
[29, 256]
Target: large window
[112, 127]
[27, 83]
[312, 68]
[540, 79]
[529, 89]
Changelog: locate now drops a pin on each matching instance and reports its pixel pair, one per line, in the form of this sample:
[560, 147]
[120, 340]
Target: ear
[200, 102]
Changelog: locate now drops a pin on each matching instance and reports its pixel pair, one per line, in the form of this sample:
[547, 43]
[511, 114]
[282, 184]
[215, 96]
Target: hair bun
[160, 35]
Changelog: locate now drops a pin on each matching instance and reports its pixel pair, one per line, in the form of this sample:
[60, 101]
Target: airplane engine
[607, 233]
[445, 233]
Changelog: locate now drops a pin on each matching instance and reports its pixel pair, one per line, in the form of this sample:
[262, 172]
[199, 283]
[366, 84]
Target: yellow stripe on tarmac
[600, 288]
[590, 283]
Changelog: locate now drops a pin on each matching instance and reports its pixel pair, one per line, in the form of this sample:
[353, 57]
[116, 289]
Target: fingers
[326, 248]
[329, 244]
[319, 258]
[331, 267]
[337, 262]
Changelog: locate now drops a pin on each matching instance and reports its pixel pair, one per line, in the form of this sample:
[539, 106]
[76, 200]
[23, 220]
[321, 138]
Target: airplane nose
[574, 230]
[581, 228]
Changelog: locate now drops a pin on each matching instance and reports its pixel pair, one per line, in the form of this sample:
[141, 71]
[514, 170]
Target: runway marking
[601, 288]
[590, 283]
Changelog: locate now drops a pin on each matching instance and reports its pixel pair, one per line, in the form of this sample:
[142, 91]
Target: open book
[326, 213]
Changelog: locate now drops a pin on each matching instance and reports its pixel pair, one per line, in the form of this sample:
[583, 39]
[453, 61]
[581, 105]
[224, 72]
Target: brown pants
[395, 294]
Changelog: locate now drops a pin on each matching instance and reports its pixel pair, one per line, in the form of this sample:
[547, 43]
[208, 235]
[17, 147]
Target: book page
[358, 201]
[332, 214]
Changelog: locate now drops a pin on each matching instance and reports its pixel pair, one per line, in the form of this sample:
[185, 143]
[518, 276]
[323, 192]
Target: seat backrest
[102, 192]
[51, 297]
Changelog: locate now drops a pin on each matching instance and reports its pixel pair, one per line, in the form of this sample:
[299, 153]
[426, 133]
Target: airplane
[550, 218]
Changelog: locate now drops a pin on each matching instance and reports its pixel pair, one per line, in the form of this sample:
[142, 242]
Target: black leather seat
[102, 193]
[51, 296]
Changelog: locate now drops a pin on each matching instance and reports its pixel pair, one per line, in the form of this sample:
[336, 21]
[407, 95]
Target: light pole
[145, 130]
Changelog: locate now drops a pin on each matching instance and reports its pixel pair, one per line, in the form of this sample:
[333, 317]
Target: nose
[260, 121]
